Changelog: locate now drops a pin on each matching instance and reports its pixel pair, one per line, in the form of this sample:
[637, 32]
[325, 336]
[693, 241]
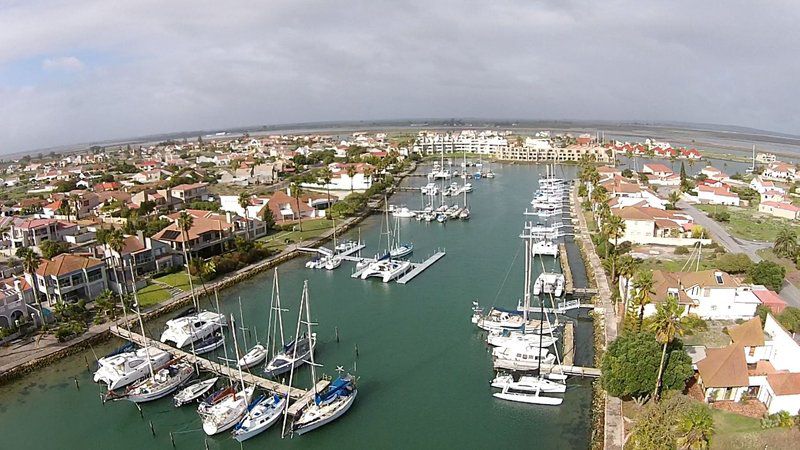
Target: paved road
[789, 292]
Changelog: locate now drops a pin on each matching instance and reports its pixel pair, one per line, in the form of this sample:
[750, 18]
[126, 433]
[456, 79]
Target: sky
[74, 71]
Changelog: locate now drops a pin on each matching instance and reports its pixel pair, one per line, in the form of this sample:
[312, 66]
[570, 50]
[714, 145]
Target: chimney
[140, 235]
[228, 216]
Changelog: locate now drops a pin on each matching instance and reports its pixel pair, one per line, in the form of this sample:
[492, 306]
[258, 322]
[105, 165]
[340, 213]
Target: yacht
[387, 269]
[255, 356]
[328, 406]
[226, 413]
[162, 383]
[464, 214]
[508, 338]
[526, 397]
[345, 245]
[331, 262]
[522, 357]
[293, 354]
[184, 330]
[122, 369]
[498, 320]
[261, 414]
[402, 250]
[549, 283]
[430, 189]
[209, 344]
[403, 213]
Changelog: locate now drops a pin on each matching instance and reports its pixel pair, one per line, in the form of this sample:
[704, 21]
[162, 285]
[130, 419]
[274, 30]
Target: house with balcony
[31, 233]
[145, 255]
[210, 232]
[69, 278]
[15, 297]
[188, 193]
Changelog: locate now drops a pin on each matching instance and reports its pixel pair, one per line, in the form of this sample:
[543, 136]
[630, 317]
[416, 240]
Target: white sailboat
[528, 384]
[261, 414]
[194, 391]
[255, 355]
[292, 354]
[509, 338]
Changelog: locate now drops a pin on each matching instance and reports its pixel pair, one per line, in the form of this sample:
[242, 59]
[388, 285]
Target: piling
[141, 414]
[152, 429]
[77, 386]
[336, 330]
[356, 350]
[86, 360]
[172, 439]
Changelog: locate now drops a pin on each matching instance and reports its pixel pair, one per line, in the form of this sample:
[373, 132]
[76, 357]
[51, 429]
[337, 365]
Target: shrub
[781, 419]
[734, 263]
[681, 250]
[693, 323]
[722, 216]
[767, 273]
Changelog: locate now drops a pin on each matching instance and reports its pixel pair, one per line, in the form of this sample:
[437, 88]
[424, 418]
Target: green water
[423, 368]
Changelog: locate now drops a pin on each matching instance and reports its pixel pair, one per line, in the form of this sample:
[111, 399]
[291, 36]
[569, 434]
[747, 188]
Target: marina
[360, 326]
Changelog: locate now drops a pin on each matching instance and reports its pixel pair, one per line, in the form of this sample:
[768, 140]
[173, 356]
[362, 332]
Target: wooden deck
[223, 370]
[569, 344]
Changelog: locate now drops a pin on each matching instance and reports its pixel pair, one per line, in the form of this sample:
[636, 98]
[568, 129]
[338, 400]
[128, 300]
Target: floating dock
[561, 307]
[231, 372]
[569, 344]
[420, 267]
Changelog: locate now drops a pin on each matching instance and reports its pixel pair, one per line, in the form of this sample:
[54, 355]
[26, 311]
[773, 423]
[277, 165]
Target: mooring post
[152, 430]
[172, 439]
[336, 330]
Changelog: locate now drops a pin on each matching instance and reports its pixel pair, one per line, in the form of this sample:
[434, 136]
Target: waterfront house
[784, 210]
[761, 363]
[68, 278]
[781, 171]
[146, 255]
[711, 294]
[15, 296]
[210, 232]
[31, 233]
[341, 181]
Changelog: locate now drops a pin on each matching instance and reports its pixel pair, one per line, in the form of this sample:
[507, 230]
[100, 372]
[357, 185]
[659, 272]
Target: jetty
[569, 344]
[327, 252]
[560, 307]
[416, 268]
[301, 395]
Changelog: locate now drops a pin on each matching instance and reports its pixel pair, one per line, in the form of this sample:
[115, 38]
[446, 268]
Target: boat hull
[339, 412]
[532, 399]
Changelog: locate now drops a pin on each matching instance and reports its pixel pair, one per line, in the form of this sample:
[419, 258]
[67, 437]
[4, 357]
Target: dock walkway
[221, 369]
[420, 267]
[568, 358]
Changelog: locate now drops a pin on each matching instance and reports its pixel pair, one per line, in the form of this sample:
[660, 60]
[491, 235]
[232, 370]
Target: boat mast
[222, 330]
[236, 350]
[308, 324]
[294, 355]
[141, 327]
[754, 158]
[241, 317]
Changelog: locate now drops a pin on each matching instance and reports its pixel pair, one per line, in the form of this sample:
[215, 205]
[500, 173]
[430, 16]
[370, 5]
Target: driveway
[789, 292]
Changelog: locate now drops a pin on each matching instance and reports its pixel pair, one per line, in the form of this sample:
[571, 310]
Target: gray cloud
[151, 66]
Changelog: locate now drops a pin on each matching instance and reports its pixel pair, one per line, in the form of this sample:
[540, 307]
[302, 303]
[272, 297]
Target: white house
[762, 363]
[342, 181]
[761, 185]
[780, 170]
[717, 195]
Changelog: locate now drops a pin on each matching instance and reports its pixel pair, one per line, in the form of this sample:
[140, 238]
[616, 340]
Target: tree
[268, 218]
[786, 243]
[75, 198]
[52, 248]
[626, 268]
[351, 172]
[630, 366]
[185, 223]
[674, 198]
[696, 428]
[66, 208]
[30, 263]
[614, 228]
[666, 325]
[326, 176]
[767, 273]
[244, 202]
[683, 172]
[643, 284]
[296, 191]
[204, 270]
[733, 263]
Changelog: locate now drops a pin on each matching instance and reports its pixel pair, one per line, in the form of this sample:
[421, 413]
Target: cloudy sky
[81, 70]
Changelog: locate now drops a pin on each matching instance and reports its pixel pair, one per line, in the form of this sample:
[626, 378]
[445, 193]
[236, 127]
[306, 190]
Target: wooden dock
[420, 267]
[565, 269]
[301, 403]
[220, 369]
[580, 371]
[569, 344]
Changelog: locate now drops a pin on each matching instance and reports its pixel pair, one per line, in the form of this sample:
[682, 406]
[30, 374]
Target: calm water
[423, 367]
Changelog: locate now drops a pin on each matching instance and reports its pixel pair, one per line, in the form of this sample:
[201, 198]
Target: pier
[569, 344]
[420, 267]
[327, 252]
[230, 372]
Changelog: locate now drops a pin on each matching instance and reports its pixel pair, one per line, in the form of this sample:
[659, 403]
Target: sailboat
[228, 412]
[335, 400]
[385, 267]
[255, 355]
[528, 383]
[262, 413]
[293, 353]
[122, 369]
[399, 249]
[194, 391]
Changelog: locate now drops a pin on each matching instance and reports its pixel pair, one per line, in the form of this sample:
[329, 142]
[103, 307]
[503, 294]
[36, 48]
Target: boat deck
[220, 369]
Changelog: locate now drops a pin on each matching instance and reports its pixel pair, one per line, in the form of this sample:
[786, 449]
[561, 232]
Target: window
[752, 351]
[718, 277]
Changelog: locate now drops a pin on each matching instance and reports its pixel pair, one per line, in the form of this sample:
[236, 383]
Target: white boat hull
[528, 398]
[258, 420]
[528, 384]
[324, 421]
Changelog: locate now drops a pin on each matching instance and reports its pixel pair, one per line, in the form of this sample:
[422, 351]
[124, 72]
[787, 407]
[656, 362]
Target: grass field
[748, 223]
[152, 295]
[311, 229]
[735, 431]
[179, 280]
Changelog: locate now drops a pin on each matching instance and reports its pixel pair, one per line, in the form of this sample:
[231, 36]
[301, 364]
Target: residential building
[470, 141]
[644, 225]
[341, 181]
[69, 277]
[146, 255]
[16, 295]
[770, 299]
[711, 294]
[188, 193]
[784, 210]
[32, 232]
[761, 185]
[766, 158]
[717, 195]
[210, 232]
[780, 170]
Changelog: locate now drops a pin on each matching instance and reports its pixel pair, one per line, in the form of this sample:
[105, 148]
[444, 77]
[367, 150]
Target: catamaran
[549, 283]
[182, 331]
[528, 384]
[122, 369]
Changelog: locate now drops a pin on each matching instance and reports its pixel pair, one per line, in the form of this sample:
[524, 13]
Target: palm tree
[696, 428]
[351, 172]
[326, 176]
[666, 325]
[204, 270]
[244, 202]
[786, 243]
[643, 284]
[66, 208]
[30, 263]
[115, 241]
[674, 197]
[614, 228]
[75, 200]
[185, 222]
[295, 190]
[626, 267]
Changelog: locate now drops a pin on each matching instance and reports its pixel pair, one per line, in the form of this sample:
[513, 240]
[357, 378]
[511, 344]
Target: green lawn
[748, 223]
[152, 294]
[676, 265]
[311, 229]
[179, 280]
[735, 431]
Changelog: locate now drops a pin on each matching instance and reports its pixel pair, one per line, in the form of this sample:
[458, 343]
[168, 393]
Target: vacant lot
[748, 223]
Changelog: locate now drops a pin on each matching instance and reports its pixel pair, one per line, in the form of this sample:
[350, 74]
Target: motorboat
[467, 187]
[465, 214]
[255, 356]
[521, 357]
[209, 344]
[387, 269]
[345, 245]
[500, 319]
[314, 263]
[226, 413]
[528, 384]
[193, 391]
[328, 405]
[122, 369]
[261, 414]
[441, 217]
[549, 283]
[402, 250]
[162, 383]
[184, 330]
[293, 354]
[507, 338]
[332, 262]
[403, 213]
[489, 174]
[430, 189]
